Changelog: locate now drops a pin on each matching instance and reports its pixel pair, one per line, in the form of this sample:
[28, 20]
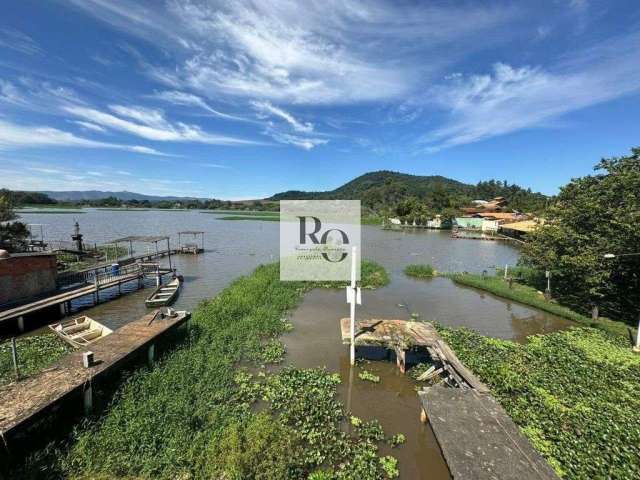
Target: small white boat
[80, 331]
[164, 294]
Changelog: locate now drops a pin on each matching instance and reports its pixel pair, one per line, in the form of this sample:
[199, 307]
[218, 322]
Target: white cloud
[177, 97]
[152, 125]
[90, 126]
[20, 42]
[298, 141]
[14, 136]
[266, 108]
[313, 52]
[511, 98]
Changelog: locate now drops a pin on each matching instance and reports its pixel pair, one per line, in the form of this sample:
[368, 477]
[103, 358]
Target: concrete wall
[24, 276]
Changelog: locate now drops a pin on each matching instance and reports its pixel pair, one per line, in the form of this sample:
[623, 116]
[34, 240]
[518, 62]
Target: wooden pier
[477, 437]
[25, 403]
[99, 281]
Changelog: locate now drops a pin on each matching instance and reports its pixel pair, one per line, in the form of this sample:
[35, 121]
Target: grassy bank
[251, 213]
[420, 271]
[530, 296]
[34, 354]
[194, 415]
[573, 393]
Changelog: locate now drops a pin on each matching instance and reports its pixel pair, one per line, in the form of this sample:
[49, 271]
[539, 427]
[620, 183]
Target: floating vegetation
[35, 353]
[420, 271]
[397, 439]
[368, 376]
[574, 394]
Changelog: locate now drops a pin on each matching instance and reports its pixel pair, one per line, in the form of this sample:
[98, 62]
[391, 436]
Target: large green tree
[594, 216]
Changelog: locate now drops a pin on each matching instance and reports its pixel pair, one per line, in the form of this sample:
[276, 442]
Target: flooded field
[236, 248]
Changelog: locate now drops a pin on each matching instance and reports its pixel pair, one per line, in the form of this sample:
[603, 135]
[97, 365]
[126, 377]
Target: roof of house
[499, 215]
[525, 226]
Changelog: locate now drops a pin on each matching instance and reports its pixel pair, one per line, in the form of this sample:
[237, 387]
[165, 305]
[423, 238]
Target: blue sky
[243, 99]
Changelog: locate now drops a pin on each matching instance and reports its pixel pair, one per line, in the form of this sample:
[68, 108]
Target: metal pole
[637, 347]
[353, 307]
[14, 356]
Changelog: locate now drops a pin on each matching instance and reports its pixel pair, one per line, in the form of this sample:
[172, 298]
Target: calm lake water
[235, 248]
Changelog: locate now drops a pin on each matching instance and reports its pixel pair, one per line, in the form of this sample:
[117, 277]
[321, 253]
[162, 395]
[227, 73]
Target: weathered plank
[389, 333]
[478, 439]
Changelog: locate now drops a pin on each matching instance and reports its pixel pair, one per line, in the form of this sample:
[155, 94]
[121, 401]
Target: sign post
[353, 297]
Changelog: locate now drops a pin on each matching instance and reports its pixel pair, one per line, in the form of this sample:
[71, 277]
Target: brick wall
[22, 277]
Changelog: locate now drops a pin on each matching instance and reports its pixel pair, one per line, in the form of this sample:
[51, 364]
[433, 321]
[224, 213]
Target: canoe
[164, 294]
[80, 331]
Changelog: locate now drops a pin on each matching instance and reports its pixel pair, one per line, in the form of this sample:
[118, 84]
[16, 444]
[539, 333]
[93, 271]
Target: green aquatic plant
[368, 376]
[34, 353]
[397, 439]
[390, 466]
[420, 271]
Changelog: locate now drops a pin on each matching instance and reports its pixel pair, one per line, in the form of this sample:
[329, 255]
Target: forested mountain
[384, 190]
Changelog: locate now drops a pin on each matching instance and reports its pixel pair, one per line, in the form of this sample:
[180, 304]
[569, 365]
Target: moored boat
[164, 294]
[80, 331]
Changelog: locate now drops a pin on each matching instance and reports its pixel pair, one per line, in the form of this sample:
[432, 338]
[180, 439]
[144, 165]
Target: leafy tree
[593, 216]
[12, 234]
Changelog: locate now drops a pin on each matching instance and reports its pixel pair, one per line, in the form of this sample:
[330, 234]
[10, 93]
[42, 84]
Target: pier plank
[478, 439]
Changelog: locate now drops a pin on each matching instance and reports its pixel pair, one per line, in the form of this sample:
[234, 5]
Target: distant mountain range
[78, 195]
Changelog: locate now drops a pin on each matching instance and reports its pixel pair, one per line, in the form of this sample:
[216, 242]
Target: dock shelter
[191, 247]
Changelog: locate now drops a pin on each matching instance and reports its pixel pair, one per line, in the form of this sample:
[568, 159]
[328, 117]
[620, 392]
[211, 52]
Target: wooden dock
[26, 402]
[100, 282]
[478, 439]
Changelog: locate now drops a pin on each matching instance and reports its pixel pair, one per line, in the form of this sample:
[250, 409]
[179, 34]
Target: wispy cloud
[152, 125]
[315, 52]
[13, 136]
[177, 97]
[20, 42]
[513, 98]
[90, 126]
[266, 109]
[296, 140]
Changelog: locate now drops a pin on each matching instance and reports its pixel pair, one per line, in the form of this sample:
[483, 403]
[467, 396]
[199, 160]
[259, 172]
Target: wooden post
[151, 354]
[423, 416]
[87, 399]
[14, 357]
[21, 324]
[63, 309]
[506, 270]
[169, 251]
[97, 293]
[158, 279]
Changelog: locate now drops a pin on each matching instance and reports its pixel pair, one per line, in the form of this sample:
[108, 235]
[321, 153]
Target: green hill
[384, 189]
